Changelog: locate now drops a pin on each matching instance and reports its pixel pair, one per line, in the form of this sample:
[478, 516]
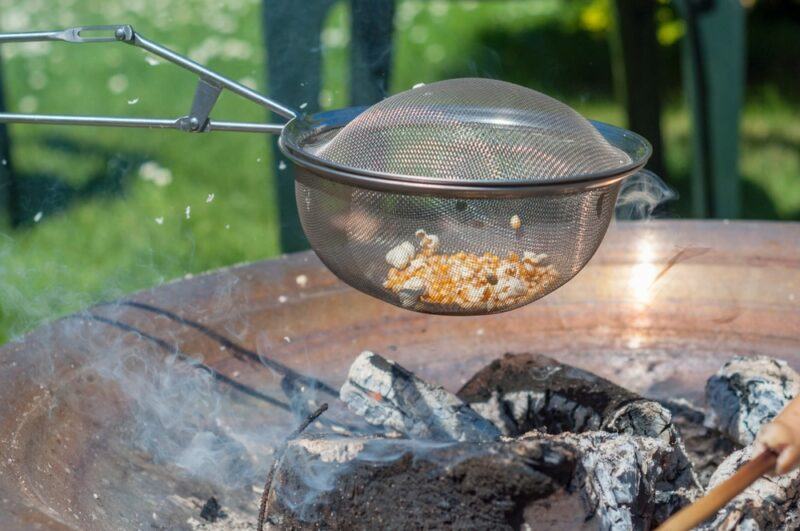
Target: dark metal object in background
[371, 50]
[714, 76]
[294, 70]
[635, 61]
[8, 184]
[294, 75]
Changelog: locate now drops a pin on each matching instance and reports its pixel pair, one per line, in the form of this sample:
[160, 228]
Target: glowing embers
[465, 280]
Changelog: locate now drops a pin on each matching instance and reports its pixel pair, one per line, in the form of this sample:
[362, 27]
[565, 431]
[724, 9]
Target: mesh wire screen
[473, 130]
[475, 256]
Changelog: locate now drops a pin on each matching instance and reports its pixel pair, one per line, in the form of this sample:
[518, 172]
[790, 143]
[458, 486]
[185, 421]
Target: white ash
[333, 450]
[630, 482]
[231, 522]
[747, 392]
[388, 395]
[771, 503]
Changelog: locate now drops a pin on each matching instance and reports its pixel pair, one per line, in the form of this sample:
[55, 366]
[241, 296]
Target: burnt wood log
[523, 392]
[747, 392]
[594, 480]
[631, 476]
[706, 447]
[771, 503]
[387, 395]
[629, 482]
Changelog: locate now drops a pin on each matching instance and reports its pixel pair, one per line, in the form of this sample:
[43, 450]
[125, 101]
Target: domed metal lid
[472, 132]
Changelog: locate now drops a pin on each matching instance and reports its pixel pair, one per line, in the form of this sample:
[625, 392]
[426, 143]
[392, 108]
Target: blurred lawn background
[114, 210]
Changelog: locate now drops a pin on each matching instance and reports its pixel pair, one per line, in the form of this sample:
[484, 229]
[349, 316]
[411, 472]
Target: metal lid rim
[449, 190]
[292, 150]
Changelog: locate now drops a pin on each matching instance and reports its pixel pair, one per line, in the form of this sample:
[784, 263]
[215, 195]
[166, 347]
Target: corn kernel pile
[464, 280]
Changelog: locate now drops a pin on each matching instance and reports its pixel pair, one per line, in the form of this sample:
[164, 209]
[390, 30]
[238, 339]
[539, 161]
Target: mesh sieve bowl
[462, 197]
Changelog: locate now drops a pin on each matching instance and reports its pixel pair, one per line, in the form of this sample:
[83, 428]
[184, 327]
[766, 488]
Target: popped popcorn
[428, 242]
[400, 256]
[411, 290]
[464, 280]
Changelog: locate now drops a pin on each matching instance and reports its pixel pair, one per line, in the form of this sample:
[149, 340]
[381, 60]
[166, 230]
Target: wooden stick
[262, 510]
[704, 508]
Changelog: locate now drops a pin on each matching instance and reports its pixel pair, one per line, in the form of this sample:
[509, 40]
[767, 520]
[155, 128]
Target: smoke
[179, 414]
[642, 196]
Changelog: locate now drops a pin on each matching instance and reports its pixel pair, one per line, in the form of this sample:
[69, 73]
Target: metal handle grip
[208, 89]
[68, 35]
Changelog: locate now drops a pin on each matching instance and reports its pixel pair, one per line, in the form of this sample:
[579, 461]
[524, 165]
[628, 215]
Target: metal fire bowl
[658, 310]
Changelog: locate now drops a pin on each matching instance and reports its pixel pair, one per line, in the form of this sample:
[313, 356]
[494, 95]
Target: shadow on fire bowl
[130, 414]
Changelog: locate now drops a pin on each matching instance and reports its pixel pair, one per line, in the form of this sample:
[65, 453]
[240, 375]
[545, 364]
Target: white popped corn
[468, 280]
[400, 255]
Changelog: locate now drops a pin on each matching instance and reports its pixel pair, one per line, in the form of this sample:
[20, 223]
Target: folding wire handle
[209, 87]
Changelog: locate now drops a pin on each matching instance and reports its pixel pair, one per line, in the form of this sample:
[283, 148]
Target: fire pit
[134, 414]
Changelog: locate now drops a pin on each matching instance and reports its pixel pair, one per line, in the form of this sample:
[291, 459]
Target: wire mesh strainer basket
[468, 196]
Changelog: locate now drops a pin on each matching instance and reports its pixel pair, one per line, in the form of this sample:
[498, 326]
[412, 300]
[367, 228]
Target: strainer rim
[444, 189]
[300, 129]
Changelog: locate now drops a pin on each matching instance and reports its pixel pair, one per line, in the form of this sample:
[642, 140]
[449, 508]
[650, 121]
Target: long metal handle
[146, 123]
[208, 89]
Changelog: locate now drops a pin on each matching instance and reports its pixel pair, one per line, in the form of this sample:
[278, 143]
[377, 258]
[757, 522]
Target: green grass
[99, 238]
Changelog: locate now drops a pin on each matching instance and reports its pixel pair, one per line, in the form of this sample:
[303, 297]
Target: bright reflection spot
[644, 273]
[634, 341]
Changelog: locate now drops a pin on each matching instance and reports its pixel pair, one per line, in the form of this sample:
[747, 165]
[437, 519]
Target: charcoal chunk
[379, 483]
[630, 482]
[747, 392]
[706, 447]
[771, 503]
[211, 510]
[388, 395]
[523, 392]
